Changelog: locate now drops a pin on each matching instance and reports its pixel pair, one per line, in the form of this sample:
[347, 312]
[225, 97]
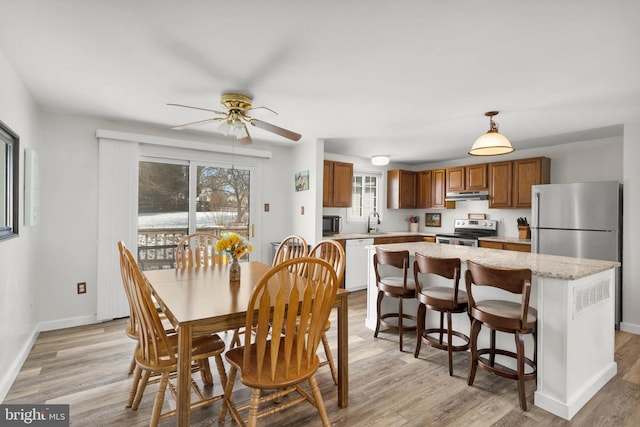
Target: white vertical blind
[117, 220]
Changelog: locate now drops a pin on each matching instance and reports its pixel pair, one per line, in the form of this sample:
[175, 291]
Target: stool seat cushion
[441, 296]
[503, 314]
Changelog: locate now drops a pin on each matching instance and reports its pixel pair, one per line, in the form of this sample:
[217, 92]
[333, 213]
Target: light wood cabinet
[401, 189]
[402, 239]
[500, 184]
[424, 189]
[510, 182]
[471, 177]
[455, 179]
[337, 184]
[476, 177]
[519, 247]
[528, 172]
[438, 188]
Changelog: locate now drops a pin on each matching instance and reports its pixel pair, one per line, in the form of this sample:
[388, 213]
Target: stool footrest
[396, 326]
[504, 371]
[435, 342]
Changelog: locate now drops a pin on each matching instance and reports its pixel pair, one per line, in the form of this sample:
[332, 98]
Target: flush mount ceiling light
[491, 143]
[380, 160]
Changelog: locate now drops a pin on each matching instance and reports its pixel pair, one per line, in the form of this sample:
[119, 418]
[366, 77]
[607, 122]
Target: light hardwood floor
[86, 367]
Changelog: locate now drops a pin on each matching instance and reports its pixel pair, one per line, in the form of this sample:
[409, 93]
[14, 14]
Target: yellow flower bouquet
[235, 245]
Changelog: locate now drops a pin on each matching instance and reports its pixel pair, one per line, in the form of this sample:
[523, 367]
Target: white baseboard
[567, 410]
[630, 327]
[54, 325]
[9, 376]
[7, 379]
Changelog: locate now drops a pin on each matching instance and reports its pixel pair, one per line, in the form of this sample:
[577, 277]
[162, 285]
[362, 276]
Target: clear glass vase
[234, 270]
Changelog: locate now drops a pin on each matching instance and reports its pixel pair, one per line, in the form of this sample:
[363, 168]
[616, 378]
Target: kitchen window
[365, 192]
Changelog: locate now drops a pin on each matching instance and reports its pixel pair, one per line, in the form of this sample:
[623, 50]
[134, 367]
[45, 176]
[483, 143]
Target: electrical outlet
[82, 288]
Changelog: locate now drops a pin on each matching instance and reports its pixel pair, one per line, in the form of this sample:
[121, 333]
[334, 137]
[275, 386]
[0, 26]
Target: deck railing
[156, 246]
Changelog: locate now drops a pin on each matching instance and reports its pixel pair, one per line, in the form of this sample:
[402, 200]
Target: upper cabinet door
[401, 189]
[476, 177]
[528, 172]
[438, 188]
[424, 189]
[500, 184]
[327, 184]
[337, 184]
[455, 179]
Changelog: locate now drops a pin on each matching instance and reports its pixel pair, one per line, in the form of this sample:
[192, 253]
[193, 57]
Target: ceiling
[411, 79]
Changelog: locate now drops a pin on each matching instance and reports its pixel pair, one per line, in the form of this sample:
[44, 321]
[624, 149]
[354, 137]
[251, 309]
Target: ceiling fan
[234, 121]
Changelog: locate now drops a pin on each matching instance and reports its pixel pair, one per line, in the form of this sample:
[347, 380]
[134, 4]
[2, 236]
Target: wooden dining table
[202, 300]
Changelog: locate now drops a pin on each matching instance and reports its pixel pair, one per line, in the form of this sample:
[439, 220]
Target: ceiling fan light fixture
[225, 127]
[239, 129]
[380, 160]
[492, 143]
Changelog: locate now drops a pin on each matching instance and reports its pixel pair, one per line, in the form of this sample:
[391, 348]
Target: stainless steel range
[467, 231]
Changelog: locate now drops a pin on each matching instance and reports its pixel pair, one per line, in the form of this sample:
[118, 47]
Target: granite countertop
[505, 239]
[558, 267]
[346, 236]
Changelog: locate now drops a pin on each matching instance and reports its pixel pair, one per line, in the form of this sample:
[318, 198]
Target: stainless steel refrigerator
[581, 220]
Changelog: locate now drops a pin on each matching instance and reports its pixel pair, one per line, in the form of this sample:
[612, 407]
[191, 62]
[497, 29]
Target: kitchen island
[575, 302]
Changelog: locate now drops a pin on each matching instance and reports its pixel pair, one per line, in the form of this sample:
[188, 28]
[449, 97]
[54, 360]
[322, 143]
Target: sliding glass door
[176, 198]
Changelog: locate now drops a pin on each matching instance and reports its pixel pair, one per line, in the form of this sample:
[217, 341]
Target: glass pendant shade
[225, 127]
[239, 130]
[491, 143]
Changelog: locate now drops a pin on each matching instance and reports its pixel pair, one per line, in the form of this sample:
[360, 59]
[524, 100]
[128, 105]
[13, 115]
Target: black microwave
[331, 224]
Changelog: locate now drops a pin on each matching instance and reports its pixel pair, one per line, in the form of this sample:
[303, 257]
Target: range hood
[456, 196]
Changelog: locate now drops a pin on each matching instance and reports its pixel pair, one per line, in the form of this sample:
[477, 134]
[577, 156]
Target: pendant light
[491, 143]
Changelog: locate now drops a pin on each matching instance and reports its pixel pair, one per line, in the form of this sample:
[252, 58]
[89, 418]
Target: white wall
[631, 231]
[20, 256]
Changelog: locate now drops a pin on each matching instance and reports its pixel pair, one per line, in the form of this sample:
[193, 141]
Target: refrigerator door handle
[535, 236]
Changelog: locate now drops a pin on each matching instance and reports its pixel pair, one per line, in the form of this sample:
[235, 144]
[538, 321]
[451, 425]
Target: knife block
[524, 232]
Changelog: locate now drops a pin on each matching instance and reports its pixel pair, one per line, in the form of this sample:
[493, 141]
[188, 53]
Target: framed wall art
[433, 220]
[302, 181]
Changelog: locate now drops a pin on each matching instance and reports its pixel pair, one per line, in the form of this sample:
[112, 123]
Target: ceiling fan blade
[275, 129]
[196, 108]
[247, 139]
[200, 122]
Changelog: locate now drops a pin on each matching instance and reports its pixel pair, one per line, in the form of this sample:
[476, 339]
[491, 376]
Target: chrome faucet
[376, 214]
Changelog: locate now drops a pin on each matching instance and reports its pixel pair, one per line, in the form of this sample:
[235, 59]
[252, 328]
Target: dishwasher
[356, 270]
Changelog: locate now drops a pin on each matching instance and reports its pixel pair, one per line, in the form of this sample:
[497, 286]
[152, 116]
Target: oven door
[456, 241]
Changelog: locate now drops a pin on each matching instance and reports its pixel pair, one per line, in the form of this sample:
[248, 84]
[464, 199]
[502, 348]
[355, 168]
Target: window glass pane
[222, 201]
[365, 197]
[163, 212]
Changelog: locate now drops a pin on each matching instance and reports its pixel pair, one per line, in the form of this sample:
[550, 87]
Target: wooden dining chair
[157, 352]
[133, 324]
[291, 247]
[332, 252]
[197, 250]
[299, 307]
[513, 317]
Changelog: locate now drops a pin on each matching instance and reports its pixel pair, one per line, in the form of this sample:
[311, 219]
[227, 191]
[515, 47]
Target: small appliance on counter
[467, 231]
[331, 224]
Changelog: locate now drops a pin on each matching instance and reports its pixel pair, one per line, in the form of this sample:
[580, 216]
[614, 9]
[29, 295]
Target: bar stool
[393, 286]
[444, 299]
[511, 317]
